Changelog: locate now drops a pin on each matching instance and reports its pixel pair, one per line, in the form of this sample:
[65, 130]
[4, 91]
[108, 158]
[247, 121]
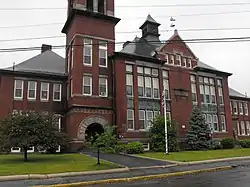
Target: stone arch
[87, 122]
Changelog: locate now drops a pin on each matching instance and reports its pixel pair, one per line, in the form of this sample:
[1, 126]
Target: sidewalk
[133, 173]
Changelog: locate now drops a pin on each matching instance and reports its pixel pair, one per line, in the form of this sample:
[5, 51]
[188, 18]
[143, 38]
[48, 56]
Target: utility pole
[164, 103]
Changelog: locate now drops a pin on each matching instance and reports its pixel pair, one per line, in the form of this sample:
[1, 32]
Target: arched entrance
[93, 130]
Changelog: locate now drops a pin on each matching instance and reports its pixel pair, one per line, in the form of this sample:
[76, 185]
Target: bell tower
[90, 39]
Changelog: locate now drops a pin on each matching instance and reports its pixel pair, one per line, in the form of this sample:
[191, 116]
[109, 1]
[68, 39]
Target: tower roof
[151, 20]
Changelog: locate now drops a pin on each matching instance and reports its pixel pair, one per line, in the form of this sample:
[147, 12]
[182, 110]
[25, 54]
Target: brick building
[96, 86]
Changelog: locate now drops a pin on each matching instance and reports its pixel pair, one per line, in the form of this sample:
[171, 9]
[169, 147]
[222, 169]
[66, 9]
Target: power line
[36, 38]
[202, 40]
[23, 26]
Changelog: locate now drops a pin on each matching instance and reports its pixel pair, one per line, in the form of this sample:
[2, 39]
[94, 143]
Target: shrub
[244, 143]
[134, 148]
[228, 143]
[120, 148]
[215, 145]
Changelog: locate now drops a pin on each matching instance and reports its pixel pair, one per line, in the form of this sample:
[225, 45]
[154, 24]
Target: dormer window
[90, 5]
[178, 60]
[171, 59]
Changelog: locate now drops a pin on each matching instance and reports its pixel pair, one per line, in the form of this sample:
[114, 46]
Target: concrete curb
[153, 167]
[149, 177]
[58, 175]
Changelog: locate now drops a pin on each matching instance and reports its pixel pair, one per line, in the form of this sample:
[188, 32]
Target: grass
[188, 156]
[47, 164]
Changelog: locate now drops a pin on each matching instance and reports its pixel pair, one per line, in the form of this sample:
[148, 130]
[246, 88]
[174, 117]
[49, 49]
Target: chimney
[46, 47]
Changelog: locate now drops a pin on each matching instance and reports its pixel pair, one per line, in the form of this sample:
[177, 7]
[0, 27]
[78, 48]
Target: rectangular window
[57, 92]
[219, 82]
[87, 52]
[166, 88]
[149, 119]
[238, 127]
[171, 59]
[156, 88]
[32, 85]
[221, 99]
[189, 63]
[248, 127]
[140, 70]
[202, 93]
[101, 6]
[103, 54]
[246, 109]
[87, 85]
[211, 81]
[178, 60]
[184, 62]
[147, 71]
[207, 94]
[235, 107]
[129, 68]
[209, 121]
[129, 84]
[215, 123]
[243, 130]
[18, 92]
[103, 87]
[142, 119]
[201, 80]
[194, 95]
[223, 124]
[44, 95]
[155, 72]
[241, 108]
[140, 86]
[166, 58]
[206, 80]
[130, 119]
[213, 97]
[156, 113]
[165, 74]
[90, 5]
[192, 78]
[148, 87]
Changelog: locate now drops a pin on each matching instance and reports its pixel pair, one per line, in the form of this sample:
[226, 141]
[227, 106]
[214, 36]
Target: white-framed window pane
[156, 113]
[18, 92]
[209, 121]
[184, 61]
[148, 87]
[142, 119]
[223, 124]
[207, 94]
[178, 60]
[155, 72]
[189, 64]
[87, 51]
[221, 98]
[129, 68]
[206, 80]
[248, 128]
[211, 81]
[57, 90]
[165, 74]
[213, 97]
[235, 107]
[87, 85]
[194, 94]
[44, 91]
[103, 87]
[246, 109]
[32, 89]
[241, 108]
[156, 88]
[150, 117]
[238, 128]
[166, 88]
[130, 119]
[103, 50]
[243, 130]
[215, 122]
[140, 70]
[192, 78]
[140, 86]
[219, 82]
[147, 71]
[171, 59]
[129, 84]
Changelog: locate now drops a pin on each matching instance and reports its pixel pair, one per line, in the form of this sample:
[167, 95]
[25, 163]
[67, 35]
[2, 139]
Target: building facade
[94, 86]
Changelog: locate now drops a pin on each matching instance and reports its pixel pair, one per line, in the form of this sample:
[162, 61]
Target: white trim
[224, 120]
[184, 60]
[241, 108]
[148, 121]
[178, 58]
[15, 151]
[71, 87]
[31, 150]
[58, 149]
[90, 77]
[54, 92]
[189, 62]
[146, 146]
[144, 119]
[28, 95]
[242, 124]
[72, 51]
[106, 85]
[15, 97]
[88, 45]
[106, 50]
[48, 85]
[129, 119]
[245, 106]
[93, 37]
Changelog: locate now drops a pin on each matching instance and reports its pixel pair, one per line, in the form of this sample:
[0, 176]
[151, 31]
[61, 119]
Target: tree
[157, 135]
[28, 129]
[198, 137]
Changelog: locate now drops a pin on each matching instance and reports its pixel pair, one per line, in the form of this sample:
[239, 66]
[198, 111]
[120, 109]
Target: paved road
[127, 161]
[239, 177]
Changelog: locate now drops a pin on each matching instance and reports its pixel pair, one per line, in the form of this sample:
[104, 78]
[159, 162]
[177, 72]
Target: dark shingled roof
[45, 63]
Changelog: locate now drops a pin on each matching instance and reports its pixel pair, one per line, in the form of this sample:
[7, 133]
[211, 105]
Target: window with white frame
[248, 127]
[207, 90]
[57, 92]
[171, 59]
[246, 109]
[103, 87]
[103, 54]
[147, 71]
[140, 86]
[215, 123]
[166, 58]
[156, 113]
[140, 70]
[223, 123]
[241, 108]
[18, 92]
[129, 68]
[166, 84]
[130, 119]
[243, 130]
[150, 117]
[219, 82]
[148, 87]
[87, 85]
[184, 62]
[87, 51]
[189, 63]
[142, 119]
[129, 84]
[209, 121]
[32, 85]
[44, 95]
[238, 128]
[156, 88]
[221, 99]
[193, 88]
[235, 107]
[178, 60]
[155, 72]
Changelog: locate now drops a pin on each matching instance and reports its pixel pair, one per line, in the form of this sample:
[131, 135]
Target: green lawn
[46, 164]
[188, 156]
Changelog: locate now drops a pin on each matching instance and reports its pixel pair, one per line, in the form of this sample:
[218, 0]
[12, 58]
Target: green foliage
[228, 143]
[198, 137]
[28, 129]
[157, 135]
[244, 143]
[120, 148]
[106, 141]
[215, 145]
[134, 148]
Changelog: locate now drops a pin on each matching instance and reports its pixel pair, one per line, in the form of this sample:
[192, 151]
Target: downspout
[114, 92]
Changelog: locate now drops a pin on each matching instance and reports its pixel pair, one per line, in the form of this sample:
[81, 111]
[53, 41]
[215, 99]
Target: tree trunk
[25, 154]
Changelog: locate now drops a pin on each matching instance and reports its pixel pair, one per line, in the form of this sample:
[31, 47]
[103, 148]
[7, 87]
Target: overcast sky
[230, 57]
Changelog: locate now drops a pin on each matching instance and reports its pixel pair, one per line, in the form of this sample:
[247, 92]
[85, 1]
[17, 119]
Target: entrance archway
[93, 130]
